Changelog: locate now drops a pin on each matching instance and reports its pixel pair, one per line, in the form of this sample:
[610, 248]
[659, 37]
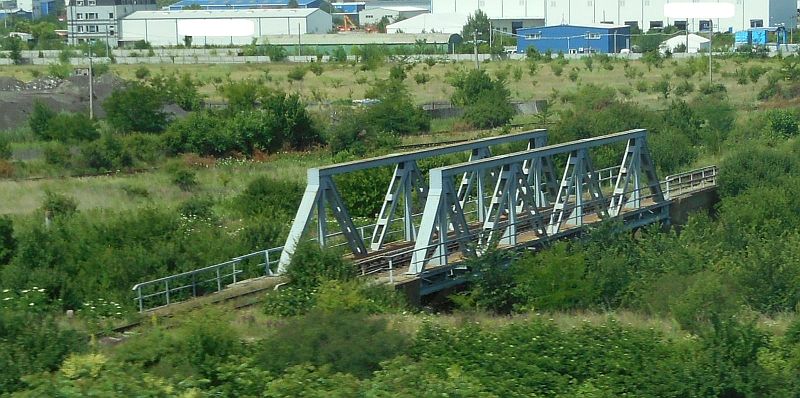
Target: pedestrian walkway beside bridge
[430, 222]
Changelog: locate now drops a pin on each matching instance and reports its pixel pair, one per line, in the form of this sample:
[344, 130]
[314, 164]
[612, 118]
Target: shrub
[684, 87]
[311, 266]
[339, 55]
[136, 107]
[107, 153]
[57, 154]
[58, 204]
[289, 301]
[557, 68]
[422, 78]
[198, 207]
[71, 127]
[783, 123]
[60, 70]
[487, 102]
[395, 112]
[297, 73]
[265, 195]
[40, 118]
[348, 342]
[573, 74]
[316, 68]
[5, 148]
[184, 178]
[142, 73]
[8, 244]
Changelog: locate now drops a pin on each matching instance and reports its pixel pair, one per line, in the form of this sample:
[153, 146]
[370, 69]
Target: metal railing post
[166, 286]
[267, 269]
[140, 299]
[234, 271]
[194, 285]
[391, 271]
[219, 281]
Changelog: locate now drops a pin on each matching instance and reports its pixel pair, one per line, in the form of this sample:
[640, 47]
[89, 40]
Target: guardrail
[690, 181]
[183, 286]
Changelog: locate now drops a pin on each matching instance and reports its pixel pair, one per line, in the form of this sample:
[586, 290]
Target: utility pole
[299, 43]
[710, 51]
[91, 87]
[475, 46]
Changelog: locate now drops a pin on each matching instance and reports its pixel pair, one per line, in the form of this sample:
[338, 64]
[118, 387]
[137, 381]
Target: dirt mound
[70, 95]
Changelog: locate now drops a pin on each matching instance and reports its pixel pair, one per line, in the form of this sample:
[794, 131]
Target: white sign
[216, 27]
[699, 10]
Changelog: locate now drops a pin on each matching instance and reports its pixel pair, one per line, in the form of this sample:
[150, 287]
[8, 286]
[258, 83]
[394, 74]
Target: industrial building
[693, 44]
[429, 23]
[575, 39]
[99, 20]
[239, 4]
[238, 27]
[644, 14]
[454, 23]
[373, 15]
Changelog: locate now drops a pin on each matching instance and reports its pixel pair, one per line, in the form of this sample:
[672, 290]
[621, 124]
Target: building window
[110, 15]
[111, 33]
[79, 15]
[681, 25]
[80, 3]
[92, 2]
[656, 24]
[80, 29]
[756, 23]
[369, 16]
[589, 3]
[632, 24]
[593, 36]
[92, 28]
[91, 15]
[533, 36]
[705, 26]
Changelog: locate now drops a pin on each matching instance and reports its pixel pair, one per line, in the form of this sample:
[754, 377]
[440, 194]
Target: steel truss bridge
[426, 228]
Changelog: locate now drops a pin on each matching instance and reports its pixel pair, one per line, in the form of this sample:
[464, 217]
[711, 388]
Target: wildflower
[7, 298]
[25, 291]
[6, 290]
[31, 304]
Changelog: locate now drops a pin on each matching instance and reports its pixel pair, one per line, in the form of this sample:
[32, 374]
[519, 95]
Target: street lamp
[702, 11]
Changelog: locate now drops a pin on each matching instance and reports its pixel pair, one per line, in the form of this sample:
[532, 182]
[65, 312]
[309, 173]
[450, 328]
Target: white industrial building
[692, 42]
[373, 15]
[235, 27]
[453, 23]
[430, 23]
[646, 14]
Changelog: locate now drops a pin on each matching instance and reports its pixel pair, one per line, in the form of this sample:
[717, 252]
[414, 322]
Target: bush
[422, 78]
[136, 107]
[198, 207]
[311, 266]
[264, 195]
[57, 154]
[783, 123]
[683, 88]
[107, 153]
[5, 149]
[316, 68]
[557, 68]
[8, 244]
[40, 118]
[297, 73]
[60, 70]
[395, 112]
[339, 55]
[487, 102]
[185, 179]
[142, 73]
[348, 342]
[59, 205]
[71, 127]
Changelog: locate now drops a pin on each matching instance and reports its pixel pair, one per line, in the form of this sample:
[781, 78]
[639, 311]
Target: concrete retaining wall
[700, 201]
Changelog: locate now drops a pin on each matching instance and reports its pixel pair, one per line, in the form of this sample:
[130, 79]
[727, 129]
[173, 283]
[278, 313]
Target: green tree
[477, 22]
[136, 107]
[486, 102]
[39, 120]
[13, 45]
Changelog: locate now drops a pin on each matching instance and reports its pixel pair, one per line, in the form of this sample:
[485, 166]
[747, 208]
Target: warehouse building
[644, 14]
[239, 4]
[454, 23]
[575, 39]
[171, 28]
[373, 15]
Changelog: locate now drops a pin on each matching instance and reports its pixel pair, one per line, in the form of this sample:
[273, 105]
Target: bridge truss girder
[407, 186]
[525, 195]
